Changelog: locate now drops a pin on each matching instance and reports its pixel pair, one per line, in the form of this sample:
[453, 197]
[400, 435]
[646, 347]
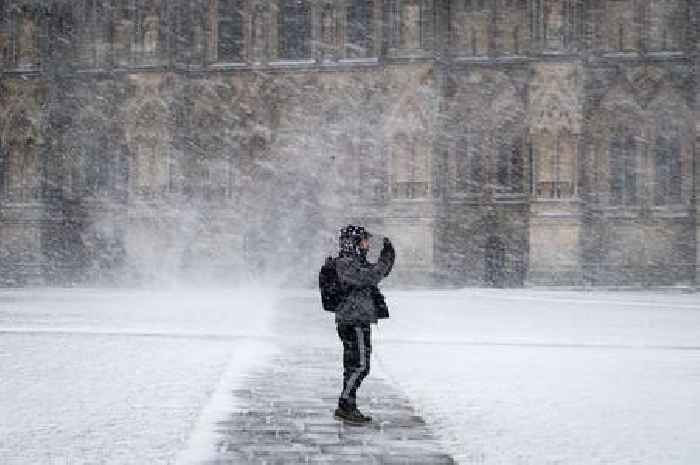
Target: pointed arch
[408, 132]
[619, 127]
[620, 102]
[672, 144]
[410, 160]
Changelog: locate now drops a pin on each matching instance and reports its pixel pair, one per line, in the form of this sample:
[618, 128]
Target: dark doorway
[495, 263]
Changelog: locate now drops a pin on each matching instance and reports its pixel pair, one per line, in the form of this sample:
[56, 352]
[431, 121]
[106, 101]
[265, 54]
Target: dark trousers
[357, 348]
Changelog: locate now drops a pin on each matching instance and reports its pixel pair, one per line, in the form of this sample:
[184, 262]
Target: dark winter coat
[363, 302]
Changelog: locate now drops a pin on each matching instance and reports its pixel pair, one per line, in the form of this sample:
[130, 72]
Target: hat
[350, 237]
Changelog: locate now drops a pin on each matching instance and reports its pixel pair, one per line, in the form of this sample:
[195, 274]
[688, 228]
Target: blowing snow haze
[503, 143]
[184, 160]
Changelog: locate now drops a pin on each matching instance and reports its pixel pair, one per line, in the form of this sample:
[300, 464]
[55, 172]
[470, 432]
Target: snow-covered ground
[118, 377]
[535, 377]
[504, 377]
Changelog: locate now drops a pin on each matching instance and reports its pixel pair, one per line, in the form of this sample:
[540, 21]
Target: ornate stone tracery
[425, 115]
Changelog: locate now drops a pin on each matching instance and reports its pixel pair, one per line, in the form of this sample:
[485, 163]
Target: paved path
[284, 412]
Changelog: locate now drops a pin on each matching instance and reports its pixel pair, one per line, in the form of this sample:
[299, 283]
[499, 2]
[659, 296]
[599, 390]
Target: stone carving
[408, 129]
[410, 17]
[477, 135]
[554, 98]
[555, 125]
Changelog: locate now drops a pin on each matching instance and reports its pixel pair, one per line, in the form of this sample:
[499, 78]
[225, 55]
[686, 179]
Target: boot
[350, 416]
[365, 418]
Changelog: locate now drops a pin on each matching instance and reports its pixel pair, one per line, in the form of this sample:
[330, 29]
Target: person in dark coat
[362, 305]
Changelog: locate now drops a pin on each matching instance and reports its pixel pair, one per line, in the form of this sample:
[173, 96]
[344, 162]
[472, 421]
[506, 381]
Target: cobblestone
[285, 416]
[283, 410]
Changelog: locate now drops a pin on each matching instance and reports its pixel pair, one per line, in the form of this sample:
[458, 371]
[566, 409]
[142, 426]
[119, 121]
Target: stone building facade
[499, 142]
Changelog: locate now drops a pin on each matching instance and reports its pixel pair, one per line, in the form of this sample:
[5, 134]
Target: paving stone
[416, 460]
[272, 426]
[284, 414]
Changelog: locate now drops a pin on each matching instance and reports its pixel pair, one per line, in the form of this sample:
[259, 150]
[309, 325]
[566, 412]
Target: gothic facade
[498, 142]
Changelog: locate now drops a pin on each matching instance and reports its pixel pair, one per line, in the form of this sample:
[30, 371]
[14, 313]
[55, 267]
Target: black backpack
[329, 284]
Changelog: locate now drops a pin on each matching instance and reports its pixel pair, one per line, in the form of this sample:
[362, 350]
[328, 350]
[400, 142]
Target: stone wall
[22, 210]
[501, 143]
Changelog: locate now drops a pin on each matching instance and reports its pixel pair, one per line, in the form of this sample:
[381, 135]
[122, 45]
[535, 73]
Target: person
[362, 304]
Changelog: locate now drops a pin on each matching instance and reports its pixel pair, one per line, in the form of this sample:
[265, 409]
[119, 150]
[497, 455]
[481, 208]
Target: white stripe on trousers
[361, 368]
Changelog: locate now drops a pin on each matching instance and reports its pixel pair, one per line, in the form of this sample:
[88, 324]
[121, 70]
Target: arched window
[509, 167]
[554, 24]
[620, 30]
[358, 29]
[554, 157]
[468, 164]
[230, 31]
[94, 165]
[410, 17]
[410, 167]
[469, 27]
[122, 33]
[192, 25]
[150, 37]
[27, 39]
[622, 156]
[667, 23]
[667, 179]
[510, 20]
[294, 29]
[65, 28]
